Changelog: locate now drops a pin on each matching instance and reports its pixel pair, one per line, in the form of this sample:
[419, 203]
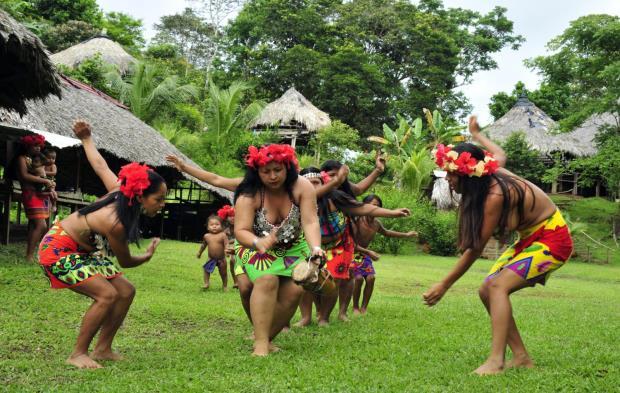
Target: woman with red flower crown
[36, 203]
[75, 252]
[495, 201]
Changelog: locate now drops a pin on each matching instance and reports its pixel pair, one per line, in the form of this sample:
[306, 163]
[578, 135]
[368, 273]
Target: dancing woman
[276, 227]
[496, 201]
[75, 252]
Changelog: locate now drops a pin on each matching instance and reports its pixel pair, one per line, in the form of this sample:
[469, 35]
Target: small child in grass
[365, 229]
[216, 242]
[50, 173]
[227, 214]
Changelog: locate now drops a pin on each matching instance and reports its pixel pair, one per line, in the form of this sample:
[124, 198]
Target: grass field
[179, 338]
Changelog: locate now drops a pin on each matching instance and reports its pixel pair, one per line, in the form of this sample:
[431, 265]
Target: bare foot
[520, 361]
[490, 368]
[273, 348]
[225, 289]
[83, 361]
[356, 312]
[323, 323]
[261, 349]
[250, 336]
[106, 355]
[302, 323]
[205, 287]
[285, 329]
[363, 311]
[343, 318]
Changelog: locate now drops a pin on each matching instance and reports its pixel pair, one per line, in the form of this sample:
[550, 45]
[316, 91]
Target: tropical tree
[147, 93]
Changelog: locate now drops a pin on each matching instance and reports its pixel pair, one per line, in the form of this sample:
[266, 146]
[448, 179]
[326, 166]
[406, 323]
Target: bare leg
[306, 309]
[207, 279]
[232, 271]
[370, 286]
[357, 291]
[327, 305]
[521, 358]
[245, 291]
[36, 230]
[262, 306]
[289, 295]
[345, 290]
[114, 319]
[221, 266]
[104, 295]
[500, 308]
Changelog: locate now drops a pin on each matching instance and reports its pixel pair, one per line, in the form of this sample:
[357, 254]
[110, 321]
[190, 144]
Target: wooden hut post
[575, 177]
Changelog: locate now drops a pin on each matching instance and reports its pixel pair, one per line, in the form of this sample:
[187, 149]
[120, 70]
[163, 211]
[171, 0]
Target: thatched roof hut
[110, 52]
[26, 71]
[588, 130]
[293, 116]
[120, 135]
[541, 132]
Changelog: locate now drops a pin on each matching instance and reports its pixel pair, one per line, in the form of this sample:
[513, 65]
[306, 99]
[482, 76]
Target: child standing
[365, 229]
[216, 241]
[227, 215]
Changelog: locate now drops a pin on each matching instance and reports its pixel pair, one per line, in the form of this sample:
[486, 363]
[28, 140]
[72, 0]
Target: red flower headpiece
[464, 164]
[33, 140]
[225, 212]
[325, 177]
[276, 152]
[134, 179]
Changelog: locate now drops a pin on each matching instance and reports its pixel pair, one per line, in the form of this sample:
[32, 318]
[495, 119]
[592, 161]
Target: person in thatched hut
[495, 201]
[334, 208]
[75, 252]
[276, 227]
[36, 202]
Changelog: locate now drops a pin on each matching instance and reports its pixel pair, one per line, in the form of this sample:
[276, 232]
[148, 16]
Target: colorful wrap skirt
[540, 250]
[339, 255]
[277, 261]
[362, 266]
[66, 264]
[36, 205]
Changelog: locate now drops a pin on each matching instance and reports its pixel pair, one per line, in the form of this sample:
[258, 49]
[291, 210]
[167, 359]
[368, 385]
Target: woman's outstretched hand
[402, 212]
[82, 129]
[150, 250]
[434, 294]
[176, 161]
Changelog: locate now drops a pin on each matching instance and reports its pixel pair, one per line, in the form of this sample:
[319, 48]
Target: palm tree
[146, 93]
[226, 117]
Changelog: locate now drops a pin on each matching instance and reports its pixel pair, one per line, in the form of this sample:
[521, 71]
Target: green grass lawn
[179, 338]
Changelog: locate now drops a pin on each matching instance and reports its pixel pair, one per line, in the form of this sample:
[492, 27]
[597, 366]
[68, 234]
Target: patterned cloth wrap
[338, 253]
[280, 260]
[540, 250]
[36, 205]
[67, 265]
[362, 266]
[210, 265]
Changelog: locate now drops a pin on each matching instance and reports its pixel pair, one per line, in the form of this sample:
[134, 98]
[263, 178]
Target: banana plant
[440, 132]
[400, 141]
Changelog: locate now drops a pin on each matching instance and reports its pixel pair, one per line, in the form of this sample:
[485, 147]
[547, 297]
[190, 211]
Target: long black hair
[331, 165]
[474, 191]
[252, 183]
[338, 197]
[127, 215]
[370, 197]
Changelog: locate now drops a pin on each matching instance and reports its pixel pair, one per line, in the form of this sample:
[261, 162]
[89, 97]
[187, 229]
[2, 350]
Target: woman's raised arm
[84, 132]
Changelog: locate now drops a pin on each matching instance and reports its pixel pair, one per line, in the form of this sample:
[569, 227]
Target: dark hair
[48, 151]
[39, 157]
[310, 169]
[474, 191]
[251, 182]
[215, 217]
[370, 197]
[331, 165]
[127, 215]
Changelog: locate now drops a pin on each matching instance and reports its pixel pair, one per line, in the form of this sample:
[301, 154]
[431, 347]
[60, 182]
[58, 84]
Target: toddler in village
[216, 243]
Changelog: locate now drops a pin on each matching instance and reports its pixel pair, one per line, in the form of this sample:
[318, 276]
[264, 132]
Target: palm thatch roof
[541, 131]
[26, 71]
[120, 135]
[588, 130]
[110, 52]
[292, 109]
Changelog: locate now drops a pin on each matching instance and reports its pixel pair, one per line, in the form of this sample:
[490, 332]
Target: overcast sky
[536, 20]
